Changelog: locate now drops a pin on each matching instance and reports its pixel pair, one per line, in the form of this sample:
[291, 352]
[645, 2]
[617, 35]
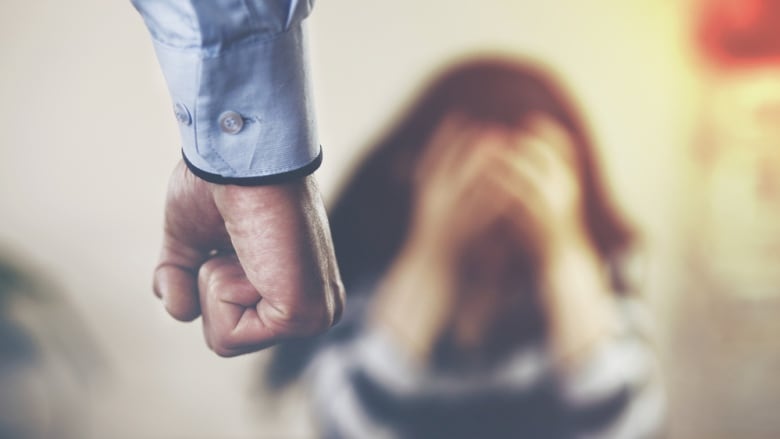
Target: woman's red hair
[370, 219]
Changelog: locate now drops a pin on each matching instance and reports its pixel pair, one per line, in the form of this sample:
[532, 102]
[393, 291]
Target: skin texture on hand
[256, 262]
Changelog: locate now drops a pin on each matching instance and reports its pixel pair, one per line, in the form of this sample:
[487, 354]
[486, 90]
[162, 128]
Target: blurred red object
[740, 33]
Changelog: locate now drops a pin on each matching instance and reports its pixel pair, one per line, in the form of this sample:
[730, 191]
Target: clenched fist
[256, 262]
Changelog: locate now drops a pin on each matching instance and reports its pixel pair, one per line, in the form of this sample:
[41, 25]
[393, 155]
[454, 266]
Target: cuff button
[182, 114]
[231, 122]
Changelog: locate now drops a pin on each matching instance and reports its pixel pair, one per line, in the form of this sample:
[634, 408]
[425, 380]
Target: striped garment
[365, 386]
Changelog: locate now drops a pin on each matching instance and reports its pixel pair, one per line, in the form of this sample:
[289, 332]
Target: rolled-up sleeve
[238, 77]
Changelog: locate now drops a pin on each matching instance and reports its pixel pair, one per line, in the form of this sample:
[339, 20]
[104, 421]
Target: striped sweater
[365, 386]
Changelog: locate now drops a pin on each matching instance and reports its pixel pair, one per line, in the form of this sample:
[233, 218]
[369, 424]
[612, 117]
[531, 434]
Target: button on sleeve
[237, 71]
[231, 122]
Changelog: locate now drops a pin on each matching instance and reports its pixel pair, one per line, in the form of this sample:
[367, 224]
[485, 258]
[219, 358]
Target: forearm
[578, 302]
[620, 377]
[414, 298]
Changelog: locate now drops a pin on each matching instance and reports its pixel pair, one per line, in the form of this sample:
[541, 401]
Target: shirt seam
[209, 133]
[276, 170]
[243, 43]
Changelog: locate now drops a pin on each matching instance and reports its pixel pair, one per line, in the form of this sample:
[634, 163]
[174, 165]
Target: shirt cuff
[246, 115]
[261, 180]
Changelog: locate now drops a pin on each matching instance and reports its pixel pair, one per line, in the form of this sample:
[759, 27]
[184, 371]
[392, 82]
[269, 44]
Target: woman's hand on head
[538, 169]
[474, 174]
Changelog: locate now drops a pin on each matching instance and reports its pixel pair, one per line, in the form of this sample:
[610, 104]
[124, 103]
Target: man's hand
[257, 262]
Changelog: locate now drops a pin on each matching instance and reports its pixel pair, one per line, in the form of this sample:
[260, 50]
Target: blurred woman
[480, 249]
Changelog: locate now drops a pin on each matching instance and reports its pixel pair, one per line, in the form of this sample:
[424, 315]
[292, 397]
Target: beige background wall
[87, 139]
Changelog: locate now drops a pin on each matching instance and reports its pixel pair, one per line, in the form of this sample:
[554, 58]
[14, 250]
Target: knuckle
[320, 318]
[223, 352]
[223, 346]
[304, 320]
[182, 314]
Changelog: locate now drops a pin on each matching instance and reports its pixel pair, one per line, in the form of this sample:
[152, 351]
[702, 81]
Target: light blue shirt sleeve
[237, 73]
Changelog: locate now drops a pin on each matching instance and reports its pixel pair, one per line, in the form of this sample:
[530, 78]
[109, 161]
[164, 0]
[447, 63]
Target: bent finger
[175, 279]
[231, 324]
